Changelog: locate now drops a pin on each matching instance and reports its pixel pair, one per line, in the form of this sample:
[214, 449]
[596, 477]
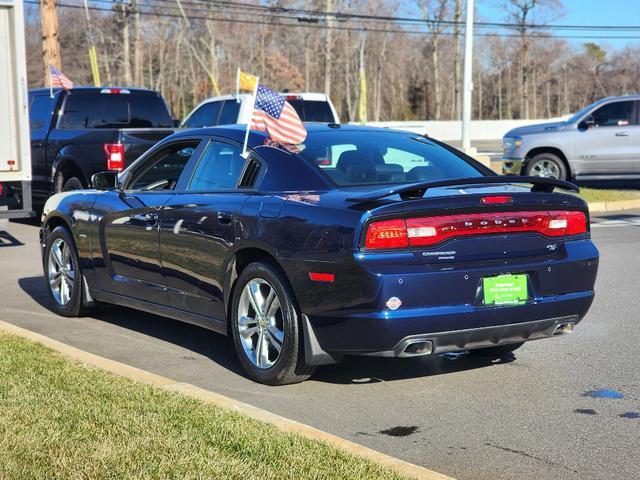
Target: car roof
[93, 90]
[237, 132]
[232, 96]
[634, 96]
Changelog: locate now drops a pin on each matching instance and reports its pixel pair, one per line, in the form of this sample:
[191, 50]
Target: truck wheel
[265, 327]
[495, 351]
[63, 275]
[63, 184]
[546, 165]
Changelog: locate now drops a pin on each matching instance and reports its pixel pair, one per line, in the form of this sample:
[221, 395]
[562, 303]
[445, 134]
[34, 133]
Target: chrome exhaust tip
[564, 328]
[417, 347]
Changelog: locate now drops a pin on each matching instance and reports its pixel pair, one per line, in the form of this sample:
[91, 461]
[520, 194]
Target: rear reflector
[321, 277]
[115, 156]
[427, 231]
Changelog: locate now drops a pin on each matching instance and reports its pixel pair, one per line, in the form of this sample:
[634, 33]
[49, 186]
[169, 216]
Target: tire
[252, 332]
[63, 184]
[62, 268]
[546, 165]
[496, 351]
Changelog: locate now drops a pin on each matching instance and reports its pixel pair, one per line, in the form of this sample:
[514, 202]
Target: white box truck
[15, 148]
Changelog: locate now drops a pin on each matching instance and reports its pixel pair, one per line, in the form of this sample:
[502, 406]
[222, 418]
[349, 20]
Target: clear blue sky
[584, 12]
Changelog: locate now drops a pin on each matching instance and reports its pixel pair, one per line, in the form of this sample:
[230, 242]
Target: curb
[283, 424]
[617, 205]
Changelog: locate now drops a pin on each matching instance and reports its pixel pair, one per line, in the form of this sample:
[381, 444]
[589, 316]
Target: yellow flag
[246, 81]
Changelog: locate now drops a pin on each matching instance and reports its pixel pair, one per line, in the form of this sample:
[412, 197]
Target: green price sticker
[505, 290]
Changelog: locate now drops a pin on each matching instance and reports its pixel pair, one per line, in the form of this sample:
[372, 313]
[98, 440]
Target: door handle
[148, 218]
[225, 217]
[36, 144]
[622, 134]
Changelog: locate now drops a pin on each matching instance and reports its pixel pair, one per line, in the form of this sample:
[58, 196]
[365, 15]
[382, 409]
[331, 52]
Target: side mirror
[105, 180]
[587, 123]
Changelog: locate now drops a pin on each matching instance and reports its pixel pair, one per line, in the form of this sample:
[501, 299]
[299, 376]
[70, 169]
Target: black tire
[74, 306]
[289, 365]
[62, 184]
[496, 351]
[546, 164]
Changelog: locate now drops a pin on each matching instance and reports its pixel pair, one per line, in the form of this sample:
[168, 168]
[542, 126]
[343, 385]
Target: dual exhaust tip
[417, 347]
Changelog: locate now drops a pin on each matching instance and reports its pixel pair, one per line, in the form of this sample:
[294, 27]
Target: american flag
[274, 115]
[58, 79]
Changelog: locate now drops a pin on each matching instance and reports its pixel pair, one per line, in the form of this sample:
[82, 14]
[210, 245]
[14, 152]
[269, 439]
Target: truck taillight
[428, 231]
[115, 156]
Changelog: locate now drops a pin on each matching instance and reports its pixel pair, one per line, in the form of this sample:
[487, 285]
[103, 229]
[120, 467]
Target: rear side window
[219, 168]
[313, 111]
[363, 158]
[104, 110]
[40, 112]
[229, 113]
[205, 116]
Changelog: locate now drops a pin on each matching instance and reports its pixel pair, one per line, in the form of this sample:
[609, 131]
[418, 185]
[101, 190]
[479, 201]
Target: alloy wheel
[545, 168]
[61, 273]
[260, 323]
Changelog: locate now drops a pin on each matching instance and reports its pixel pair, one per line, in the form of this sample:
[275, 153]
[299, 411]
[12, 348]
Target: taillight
[496, 199]
[115, 156]
[427, 231]
[387, 234]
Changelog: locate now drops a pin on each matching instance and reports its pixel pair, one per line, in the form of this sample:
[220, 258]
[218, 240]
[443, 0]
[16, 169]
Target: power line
[302, 24]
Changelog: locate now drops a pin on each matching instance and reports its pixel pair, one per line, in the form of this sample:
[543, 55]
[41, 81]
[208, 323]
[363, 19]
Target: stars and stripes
[274, 115]
[58, 79]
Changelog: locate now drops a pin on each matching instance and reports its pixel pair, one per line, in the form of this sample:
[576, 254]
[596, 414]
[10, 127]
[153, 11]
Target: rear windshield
[313, 110]
[111, 110]
[365, 158]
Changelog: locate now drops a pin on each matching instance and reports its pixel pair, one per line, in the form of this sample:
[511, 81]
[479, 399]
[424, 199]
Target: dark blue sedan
[361, 241]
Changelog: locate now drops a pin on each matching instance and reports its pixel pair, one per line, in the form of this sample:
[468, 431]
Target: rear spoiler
[416, 190]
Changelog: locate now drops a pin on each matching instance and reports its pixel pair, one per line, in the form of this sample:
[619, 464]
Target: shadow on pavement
[8, 240]
[219, 348]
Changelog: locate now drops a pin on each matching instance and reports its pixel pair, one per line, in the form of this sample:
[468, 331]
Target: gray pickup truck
[600, 142]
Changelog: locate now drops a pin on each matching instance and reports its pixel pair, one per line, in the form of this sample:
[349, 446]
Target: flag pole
[253, 107]
[50, 85]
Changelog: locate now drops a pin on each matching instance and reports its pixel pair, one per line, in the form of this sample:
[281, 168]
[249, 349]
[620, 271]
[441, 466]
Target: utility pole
[126, 44]
[50, 43]
[137, 52]
[468, 79]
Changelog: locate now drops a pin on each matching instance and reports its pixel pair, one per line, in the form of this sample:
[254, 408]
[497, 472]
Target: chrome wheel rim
[545, 168]
[61, 272]
[260, 323]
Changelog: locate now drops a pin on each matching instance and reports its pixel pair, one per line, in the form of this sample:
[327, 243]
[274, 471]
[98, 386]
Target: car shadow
[353, 369]
[8, 240]
[199, 340]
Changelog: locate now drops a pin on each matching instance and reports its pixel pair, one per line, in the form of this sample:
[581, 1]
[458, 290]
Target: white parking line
[616, 223]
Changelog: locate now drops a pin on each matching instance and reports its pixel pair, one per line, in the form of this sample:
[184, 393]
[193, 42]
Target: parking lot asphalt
[565, 408]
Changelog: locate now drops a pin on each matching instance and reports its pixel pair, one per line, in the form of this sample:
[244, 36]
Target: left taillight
[428, 231]
[115, 156]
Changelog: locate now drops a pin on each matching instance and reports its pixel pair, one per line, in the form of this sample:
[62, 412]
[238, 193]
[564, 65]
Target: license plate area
[505, 290]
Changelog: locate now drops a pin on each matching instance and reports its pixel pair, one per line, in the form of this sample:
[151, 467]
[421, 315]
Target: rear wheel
[265, 327]
[63, 184]
[62, 274]
[546, 165]
[496, 351]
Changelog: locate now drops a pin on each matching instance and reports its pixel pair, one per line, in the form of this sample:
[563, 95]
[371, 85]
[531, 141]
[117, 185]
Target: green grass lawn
[59, 419]
[607, 195]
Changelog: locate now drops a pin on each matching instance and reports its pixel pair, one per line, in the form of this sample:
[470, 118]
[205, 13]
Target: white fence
[452, 130]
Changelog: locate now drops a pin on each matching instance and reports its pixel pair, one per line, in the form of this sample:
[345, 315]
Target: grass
[607, 195]
[59, 419]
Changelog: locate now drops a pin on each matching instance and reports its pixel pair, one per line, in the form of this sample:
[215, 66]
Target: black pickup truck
[76, 133]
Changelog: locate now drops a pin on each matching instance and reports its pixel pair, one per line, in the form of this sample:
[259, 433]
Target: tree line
[190, 50]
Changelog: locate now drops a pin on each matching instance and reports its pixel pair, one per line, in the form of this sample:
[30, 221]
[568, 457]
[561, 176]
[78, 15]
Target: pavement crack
[533, 457]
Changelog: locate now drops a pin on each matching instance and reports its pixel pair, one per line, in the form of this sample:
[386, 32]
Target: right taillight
[428, 231]
[115, 156]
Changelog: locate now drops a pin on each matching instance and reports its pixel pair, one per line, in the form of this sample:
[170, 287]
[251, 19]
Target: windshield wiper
[416, 190]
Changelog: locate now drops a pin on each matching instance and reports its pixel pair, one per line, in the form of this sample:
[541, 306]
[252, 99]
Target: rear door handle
[225, 217]
[622, 134]
[148, 218]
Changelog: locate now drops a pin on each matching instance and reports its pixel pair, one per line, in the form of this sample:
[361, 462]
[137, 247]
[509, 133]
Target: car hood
[537, 128]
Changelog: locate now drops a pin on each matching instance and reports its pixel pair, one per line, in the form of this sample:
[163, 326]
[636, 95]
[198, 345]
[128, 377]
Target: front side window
[614, 114]
[229, 113]
[361, 158]
[205, 116]
[219, 168]
[163, 170]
